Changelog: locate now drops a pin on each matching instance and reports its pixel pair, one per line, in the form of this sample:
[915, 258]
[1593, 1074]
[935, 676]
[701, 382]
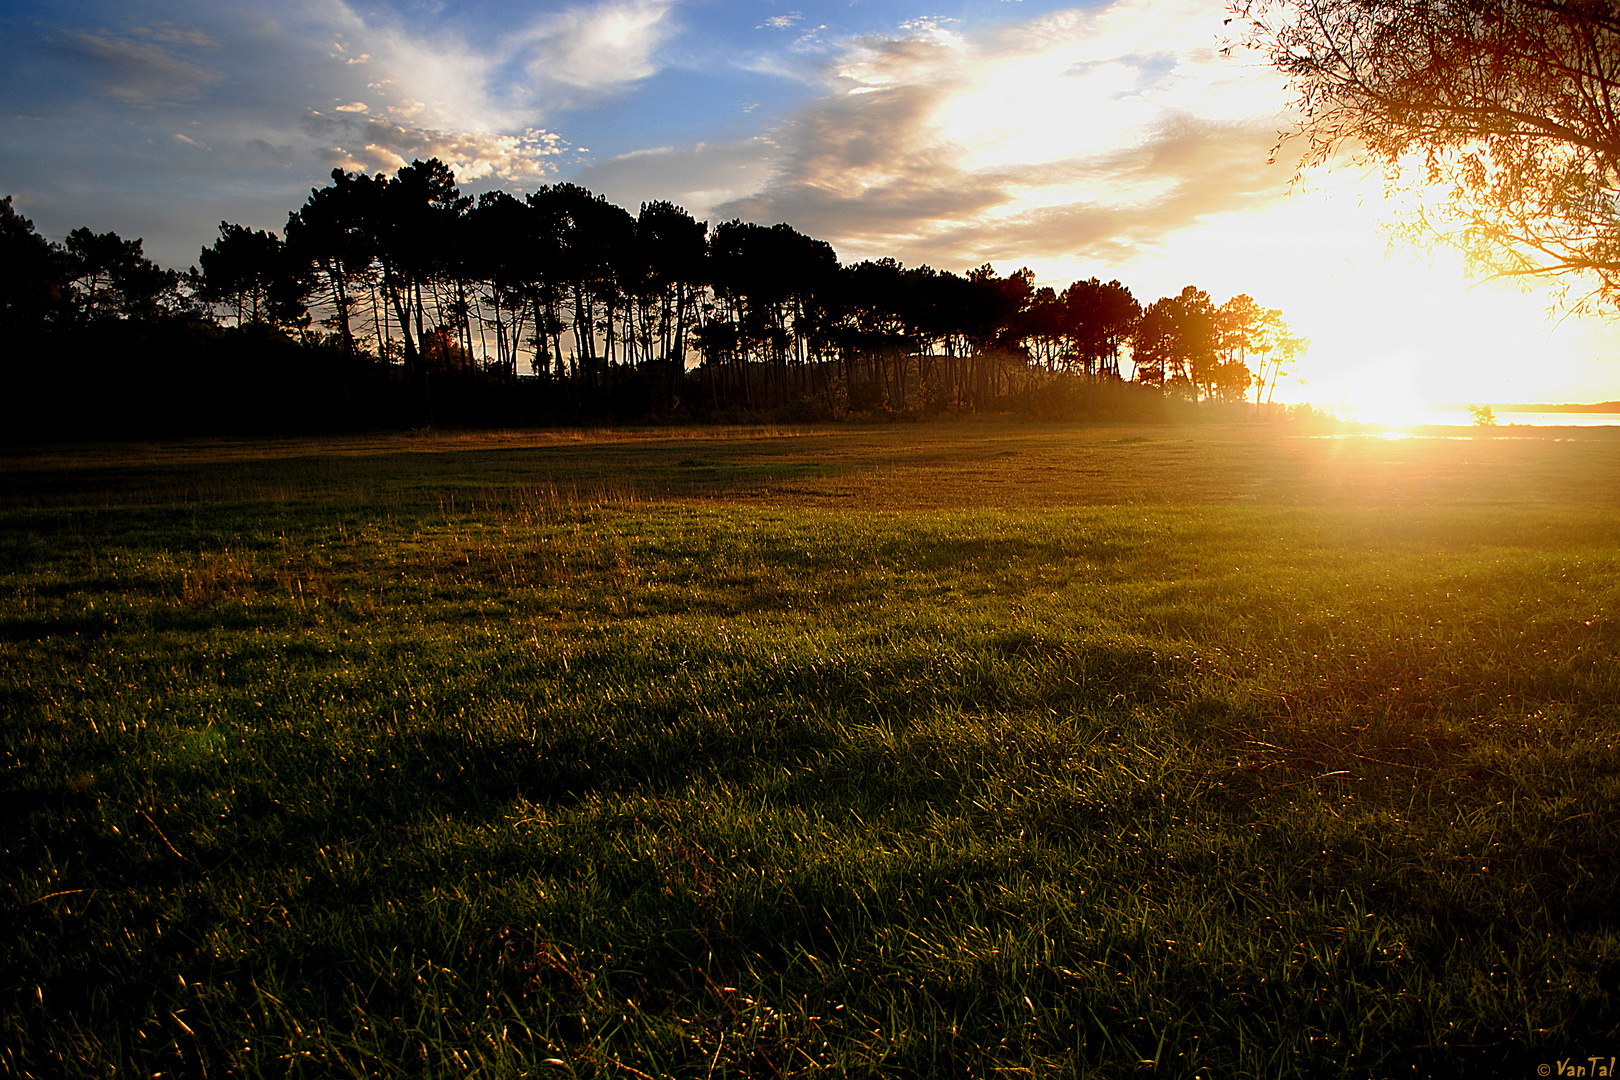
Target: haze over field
[1109, 139]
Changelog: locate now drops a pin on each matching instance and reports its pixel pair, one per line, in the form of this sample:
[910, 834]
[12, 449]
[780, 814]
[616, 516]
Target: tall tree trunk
[340, 298]
[421, 332]
[400, 297]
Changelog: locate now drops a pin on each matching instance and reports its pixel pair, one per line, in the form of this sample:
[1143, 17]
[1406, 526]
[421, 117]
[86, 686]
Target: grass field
[927, 750]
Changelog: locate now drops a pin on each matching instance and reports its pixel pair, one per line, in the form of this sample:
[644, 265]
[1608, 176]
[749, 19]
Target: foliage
[108, 277]
[647, 315]
[1188, 345]
[32, 275]
[1504, 107]
[251, 271]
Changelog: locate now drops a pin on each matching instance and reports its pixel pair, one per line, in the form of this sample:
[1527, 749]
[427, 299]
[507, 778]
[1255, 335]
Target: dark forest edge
[399, 301]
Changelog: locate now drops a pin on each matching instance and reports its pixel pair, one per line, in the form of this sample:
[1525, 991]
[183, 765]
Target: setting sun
[1122, 140]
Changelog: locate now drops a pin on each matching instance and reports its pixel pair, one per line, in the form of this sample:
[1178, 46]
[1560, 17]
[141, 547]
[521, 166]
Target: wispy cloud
[138, 72]
[162, 117]
[867, 170]
[441, 80]
[439, 94]
[1088, 134]
[1115, 208]
[173, 33]
[698, 177]
[1094, 131]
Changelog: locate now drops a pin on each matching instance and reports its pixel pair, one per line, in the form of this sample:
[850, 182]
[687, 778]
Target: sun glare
[1384, 395]
[1394, 329]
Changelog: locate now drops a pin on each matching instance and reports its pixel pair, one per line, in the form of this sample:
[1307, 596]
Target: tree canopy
[1505, 109]
[568, 305]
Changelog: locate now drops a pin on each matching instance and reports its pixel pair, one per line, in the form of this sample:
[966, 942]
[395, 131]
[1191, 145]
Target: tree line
[401, 299]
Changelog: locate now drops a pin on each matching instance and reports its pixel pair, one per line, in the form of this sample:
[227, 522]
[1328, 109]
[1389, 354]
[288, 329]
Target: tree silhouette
[33, 274]
[411, 218]
[1098, 320]
[432, 300]
[111, 278]
[492, 249]
[673, 251]
[1176, 343]
[251, 271]
[330, 235]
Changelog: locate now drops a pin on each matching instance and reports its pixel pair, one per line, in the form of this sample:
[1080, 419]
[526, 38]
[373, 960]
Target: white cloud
[445, 81]
[375, 144]
[1119, 141]
[1084, 134]
[441, 95]
[599, 47]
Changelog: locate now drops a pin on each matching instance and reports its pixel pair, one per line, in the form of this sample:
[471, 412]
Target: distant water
[1462, 418]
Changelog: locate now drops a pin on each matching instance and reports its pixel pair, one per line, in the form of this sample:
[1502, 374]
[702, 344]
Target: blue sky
[160, 119]
[1109, 138]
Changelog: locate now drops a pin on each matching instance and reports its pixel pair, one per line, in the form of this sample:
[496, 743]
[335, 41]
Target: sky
[1114, 139]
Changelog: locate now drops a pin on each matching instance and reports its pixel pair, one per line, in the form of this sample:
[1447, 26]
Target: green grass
[941, 750]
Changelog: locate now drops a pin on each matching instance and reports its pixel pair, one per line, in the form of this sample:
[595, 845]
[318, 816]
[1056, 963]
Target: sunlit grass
[1241, 755]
